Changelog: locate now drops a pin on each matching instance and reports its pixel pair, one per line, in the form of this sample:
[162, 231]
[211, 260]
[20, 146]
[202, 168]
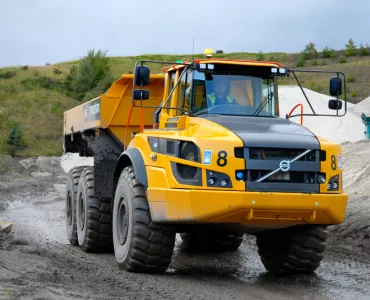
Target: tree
[15, 138]
[351, 49]
[219, 51]
[326, 52]
[364, 51]
[310, 51]
[88, 76]
[260, 56]
[300, 62]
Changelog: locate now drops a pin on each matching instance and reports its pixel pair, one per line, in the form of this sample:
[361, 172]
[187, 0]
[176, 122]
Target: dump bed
[111, 110]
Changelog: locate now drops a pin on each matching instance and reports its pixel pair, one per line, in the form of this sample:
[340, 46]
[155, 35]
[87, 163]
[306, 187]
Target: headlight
[217, 179]
[333, 184]
[321, 178]
[188, 151]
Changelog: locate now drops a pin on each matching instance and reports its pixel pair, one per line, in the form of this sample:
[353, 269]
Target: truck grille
[301, 177]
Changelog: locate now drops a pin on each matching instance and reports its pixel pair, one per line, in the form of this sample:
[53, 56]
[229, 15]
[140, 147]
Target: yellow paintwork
[115, 107]
[255, 208]
[171, 201]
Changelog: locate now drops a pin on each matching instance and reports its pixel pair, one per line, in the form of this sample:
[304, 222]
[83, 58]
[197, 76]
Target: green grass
[35, 97]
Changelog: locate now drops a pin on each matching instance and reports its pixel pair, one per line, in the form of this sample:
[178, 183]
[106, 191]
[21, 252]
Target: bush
[91, 71]
[350, 48]
[219, 51]
[314, 63]
[350, 78]
[310, 51]
[57, 71]
[364, 51]
[260, 56]
[323, 62]
[333, 54]
[44, 82]
[68, 82]
[354, 94]
[326, 52]
[15, 138]
[300, 62]
[342, 60]
[8, 74]
[24, 68]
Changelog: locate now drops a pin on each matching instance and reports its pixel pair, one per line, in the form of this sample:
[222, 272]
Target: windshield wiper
[261, 106]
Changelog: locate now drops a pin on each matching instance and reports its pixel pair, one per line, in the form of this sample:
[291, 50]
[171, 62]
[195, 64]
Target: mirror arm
[300, 85]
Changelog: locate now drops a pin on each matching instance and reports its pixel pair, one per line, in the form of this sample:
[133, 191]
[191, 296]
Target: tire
[93, 217]
[297, 249]
[139, 244]
[70, 204]
[206, 241]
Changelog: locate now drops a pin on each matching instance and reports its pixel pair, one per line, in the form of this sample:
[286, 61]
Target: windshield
[232, 95]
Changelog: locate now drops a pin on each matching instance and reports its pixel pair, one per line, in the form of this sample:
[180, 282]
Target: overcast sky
[40, 31]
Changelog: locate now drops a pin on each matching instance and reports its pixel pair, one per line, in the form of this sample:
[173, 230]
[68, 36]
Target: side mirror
[142, 76]
[335, 86]
[141, 94]
[335, 104]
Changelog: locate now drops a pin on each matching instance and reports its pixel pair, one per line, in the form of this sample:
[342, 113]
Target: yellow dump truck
[201, 150]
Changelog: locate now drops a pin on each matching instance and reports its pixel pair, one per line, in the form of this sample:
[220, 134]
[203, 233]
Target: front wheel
[139, 244]
[297, 249]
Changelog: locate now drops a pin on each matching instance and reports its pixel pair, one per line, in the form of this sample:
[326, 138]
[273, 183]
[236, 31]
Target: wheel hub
[122, 222]
[82, 212]
[69, 208]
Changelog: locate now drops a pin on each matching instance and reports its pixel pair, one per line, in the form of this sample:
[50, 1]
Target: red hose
[128, 123]
[301, 105]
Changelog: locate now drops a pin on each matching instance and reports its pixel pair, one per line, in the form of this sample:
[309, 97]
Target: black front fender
[131, 157]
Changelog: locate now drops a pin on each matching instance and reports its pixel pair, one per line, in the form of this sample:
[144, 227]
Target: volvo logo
[284, 165]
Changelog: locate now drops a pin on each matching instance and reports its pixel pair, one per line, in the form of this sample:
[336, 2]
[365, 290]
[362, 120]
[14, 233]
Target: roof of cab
[226, 61]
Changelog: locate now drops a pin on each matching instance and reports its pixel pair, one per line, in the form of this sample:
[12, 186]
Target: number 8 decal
[222, 158]
[333, 163]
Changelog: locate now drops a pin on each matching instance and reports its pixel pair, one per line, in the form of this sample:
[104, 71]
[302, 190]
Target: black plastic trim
[196, 181]
[282, 187]
[132, 156]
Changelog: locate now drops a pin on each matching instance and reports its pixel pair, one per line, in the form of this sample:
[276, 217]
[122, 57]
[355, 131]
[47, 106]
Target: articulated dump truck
[201, 150]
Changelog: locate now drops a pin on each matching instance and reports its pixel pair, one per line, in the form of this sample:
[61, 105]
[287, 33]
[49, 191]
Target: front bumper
[248, 208]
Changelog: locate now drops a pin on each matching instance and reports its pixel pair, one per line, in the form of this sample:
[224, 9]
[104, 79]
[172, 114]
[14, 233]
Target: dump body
[111, 110]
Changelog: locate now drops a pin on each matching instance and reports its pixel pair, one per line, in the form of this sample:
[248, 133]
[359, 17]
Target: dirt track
[37, 262]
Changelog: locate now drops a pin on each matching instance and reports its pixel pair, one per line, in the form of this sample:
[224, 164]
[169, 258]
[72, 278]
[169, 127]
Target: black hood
[267, 131]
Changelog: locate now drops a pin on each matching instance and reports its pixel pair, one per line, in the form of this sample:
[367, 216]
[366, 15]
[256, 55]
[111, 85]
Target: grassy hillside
[35, 96]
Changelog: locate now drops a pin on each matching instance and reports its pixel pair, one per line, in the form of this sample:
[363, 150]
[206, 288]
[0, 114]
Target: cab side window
[170, 87]
[184, 93]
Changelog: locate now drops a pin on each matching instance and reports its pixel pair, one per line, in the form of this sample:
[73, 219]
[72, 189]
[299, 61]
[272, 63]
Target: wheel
[297, 249]
[70, 204]
[212, 241]
[94, 219]
[139, 244]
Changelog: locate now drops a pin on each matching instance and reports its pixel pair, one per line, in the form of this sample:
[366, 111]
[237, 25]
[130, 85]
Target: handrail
[301, 105]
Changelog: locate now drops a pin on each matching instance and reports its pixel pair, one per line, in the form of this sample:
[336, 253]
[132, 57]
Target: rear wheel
[70, 204]
[139, 244]
[93, 216]
[297, 249]
[212, 241]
